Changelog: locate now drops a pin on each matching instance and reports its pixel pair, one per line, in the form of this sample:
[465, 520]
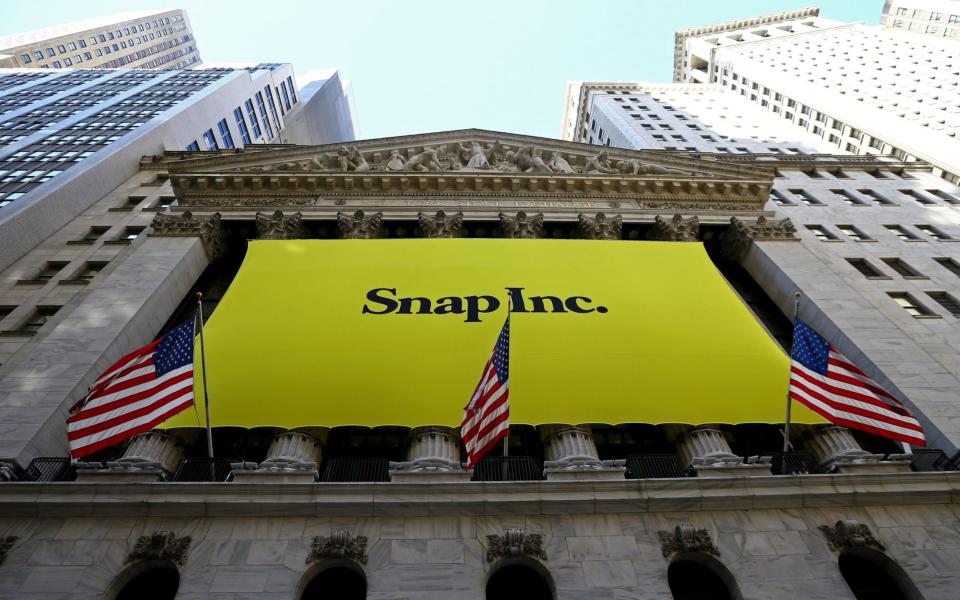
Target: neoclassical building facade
[634, 510]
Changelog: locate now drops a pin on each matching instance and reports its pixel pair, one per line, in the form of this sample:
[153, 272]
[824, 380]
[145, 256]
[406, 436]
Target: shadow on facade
[334, 580]
[696, 576]
[146, 580]
[872, 575]
[521, 578]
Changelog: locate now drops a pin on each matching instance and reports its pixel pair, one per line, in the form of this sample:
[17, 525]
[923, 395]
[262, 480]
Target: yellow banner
[397, 332]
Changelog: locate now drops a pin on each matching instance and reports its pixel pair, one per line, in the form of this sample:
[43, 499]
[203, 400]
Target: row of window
[87, 271]
[864, 197]
[856, 234]
[251, 114]
[29, 326]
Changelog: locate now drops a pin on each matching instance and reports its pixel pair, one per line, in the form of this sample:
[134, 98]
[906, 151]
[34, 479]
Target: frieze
[849, 534]
[339, 545]
[207, 227]
[161, 545]
[686, 538]
[6, 543]
[515, 542]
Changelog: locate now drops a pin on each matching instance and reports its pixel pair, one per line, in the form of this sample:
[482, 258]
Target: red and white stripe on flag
[137, 393]
[486, 419]
[847, 396]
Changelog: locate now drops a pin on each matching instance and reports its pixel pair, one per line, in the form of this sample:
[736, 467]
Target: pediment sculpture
[467, 156]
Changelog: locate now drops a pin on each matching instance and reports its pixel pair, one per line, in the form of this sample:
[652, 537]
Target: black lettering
[389, 303]
[406, 306]
[516, 300]
[449, 305]
[572, 306]
[474, 309]
[539, 304]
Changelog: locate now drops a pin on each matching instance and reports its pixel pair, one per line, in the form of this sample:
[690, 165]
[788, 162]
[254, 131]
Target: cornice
[435, 499]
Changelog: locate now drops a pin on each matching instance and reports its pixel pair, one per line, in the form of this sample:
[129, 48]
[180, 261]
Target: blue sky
[420, 66]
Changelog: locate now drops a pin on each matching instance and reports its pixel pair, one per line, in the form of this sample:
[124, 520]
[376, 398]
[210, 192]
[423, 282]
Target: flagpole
[206, 401]
[506, 440]
[786, 425]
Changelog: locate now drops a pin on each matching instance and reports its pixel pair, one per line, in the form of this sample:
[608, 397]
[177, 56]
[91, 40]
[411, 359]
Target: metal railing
[203, 469]
[654, 466]
[794, 463]
[508, 468]
[354, 470]
[931, 459]
[46, 468]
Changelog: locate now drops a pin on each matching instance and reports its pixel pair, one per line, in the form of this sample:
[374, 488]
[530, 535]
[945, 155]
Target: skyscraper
[937, 18]
[863, 89]
[127, 40]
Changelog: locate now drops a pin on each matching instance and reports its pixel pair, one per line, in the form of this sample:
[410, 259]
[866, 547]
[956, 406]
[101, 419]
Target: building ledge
[456, 498]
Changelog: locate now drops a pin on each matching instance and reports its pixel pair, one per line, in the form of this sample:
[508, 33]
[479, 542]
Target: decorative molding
[6, 543]
[849, 534]
[161, 545]
[515, 542]
[280, 227]
[740, 235]
[676, 229]
[359, 226]
[522, 226]
[441, 225]
[600, 227]
[686, 538]
[340, 544]
[207, 227]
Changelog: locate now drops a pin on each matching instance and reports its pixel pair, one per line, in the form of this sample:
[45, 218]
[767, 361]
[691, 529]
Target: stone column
[705, 449]
[837, 450]
[150, 456]
[571, 454]
[433, 455]
[293, 457]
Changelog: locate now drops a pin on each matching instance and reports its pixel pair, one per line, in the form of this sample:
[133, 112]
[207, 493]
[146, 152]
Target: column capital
[677, 229]
[278, 226]
[522, 226]
[360, 226]
[441, 225]
[740, 235]
[208, 228]
[599, 227]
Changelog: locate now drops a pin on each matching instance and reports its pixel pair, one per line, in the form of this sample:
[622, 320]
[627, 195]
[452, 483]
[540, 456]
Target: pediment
[463, 152]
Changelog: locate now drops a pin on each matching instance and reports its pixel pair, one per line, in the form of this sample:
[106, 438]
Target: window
[5, 310]
[934, 232]
[854, 234]
[128, 235]
[947, 301]
[910, 304]
[286, 97]
[90, 270]
[242, 126]
[252, 115]
[210, 140]
[822, 234]
[866, 269]
[37, 320]
[949, 264]
[51, 52]
[917, 196]
[779, 199]
[225, 133]
[130, 203]
[806, 198]
[92, 235]
[848, 197]
[877, 198]
[902, 268]
[944, 196]
[902, 233]
[193, 146]
[49, 270]
[25, 59]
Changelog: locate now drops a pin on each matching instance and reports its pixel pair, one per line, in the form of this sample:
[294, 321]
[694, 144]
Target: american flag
[828, 383]
[140, 391]
[486, 419]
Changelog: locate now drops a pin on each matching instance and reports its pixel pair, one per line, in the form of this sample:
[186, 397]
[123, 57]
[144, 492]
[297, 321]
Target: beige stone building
[635, 510]
[127, 40]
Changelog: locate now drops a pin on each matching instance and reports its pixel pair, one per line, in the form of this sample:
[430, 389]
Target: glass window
[910, 304]
[854, 233]
[877, 198]
[193, 146]
[805, 197]
[901, 267]
[949, 264]
[262, 108]
[286, 97]
[866, 269]
[38, 319]
[210, 140]
[242, 126]
[849, 198]
[225, 133]
[779, 199]
[252, 115]
[293, 91]
[61, 49]
[934, 232]
[902, 233]
[821, 232]
[49, 270]
[947, 301]
[25, 59]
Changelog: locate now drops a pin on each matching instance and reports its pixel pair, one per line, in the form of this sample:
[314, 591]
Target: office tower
[938, 18]
[355, 294]
[864, 89]
[127, 40]
[69, 137]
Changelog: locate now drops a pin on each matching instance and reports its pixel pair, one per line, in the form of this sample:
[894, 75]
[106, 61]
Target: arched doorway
[872, 575]
[519, 579]
[701, 577]
[336, 581]
[150, 580]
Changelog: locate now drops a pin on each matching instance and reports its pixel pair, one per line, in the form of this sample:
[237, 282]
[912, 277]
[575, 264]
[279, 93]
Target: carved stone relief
[161, 545]
[515, 542]
[6, 543]
[522, 226]
[208, 228]
[441, 225]
[740, 235]
[600, 227]
[280, 227]
[676, 229]
[686, 538]
[340, 544]
[360, 226]
[849, 534]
